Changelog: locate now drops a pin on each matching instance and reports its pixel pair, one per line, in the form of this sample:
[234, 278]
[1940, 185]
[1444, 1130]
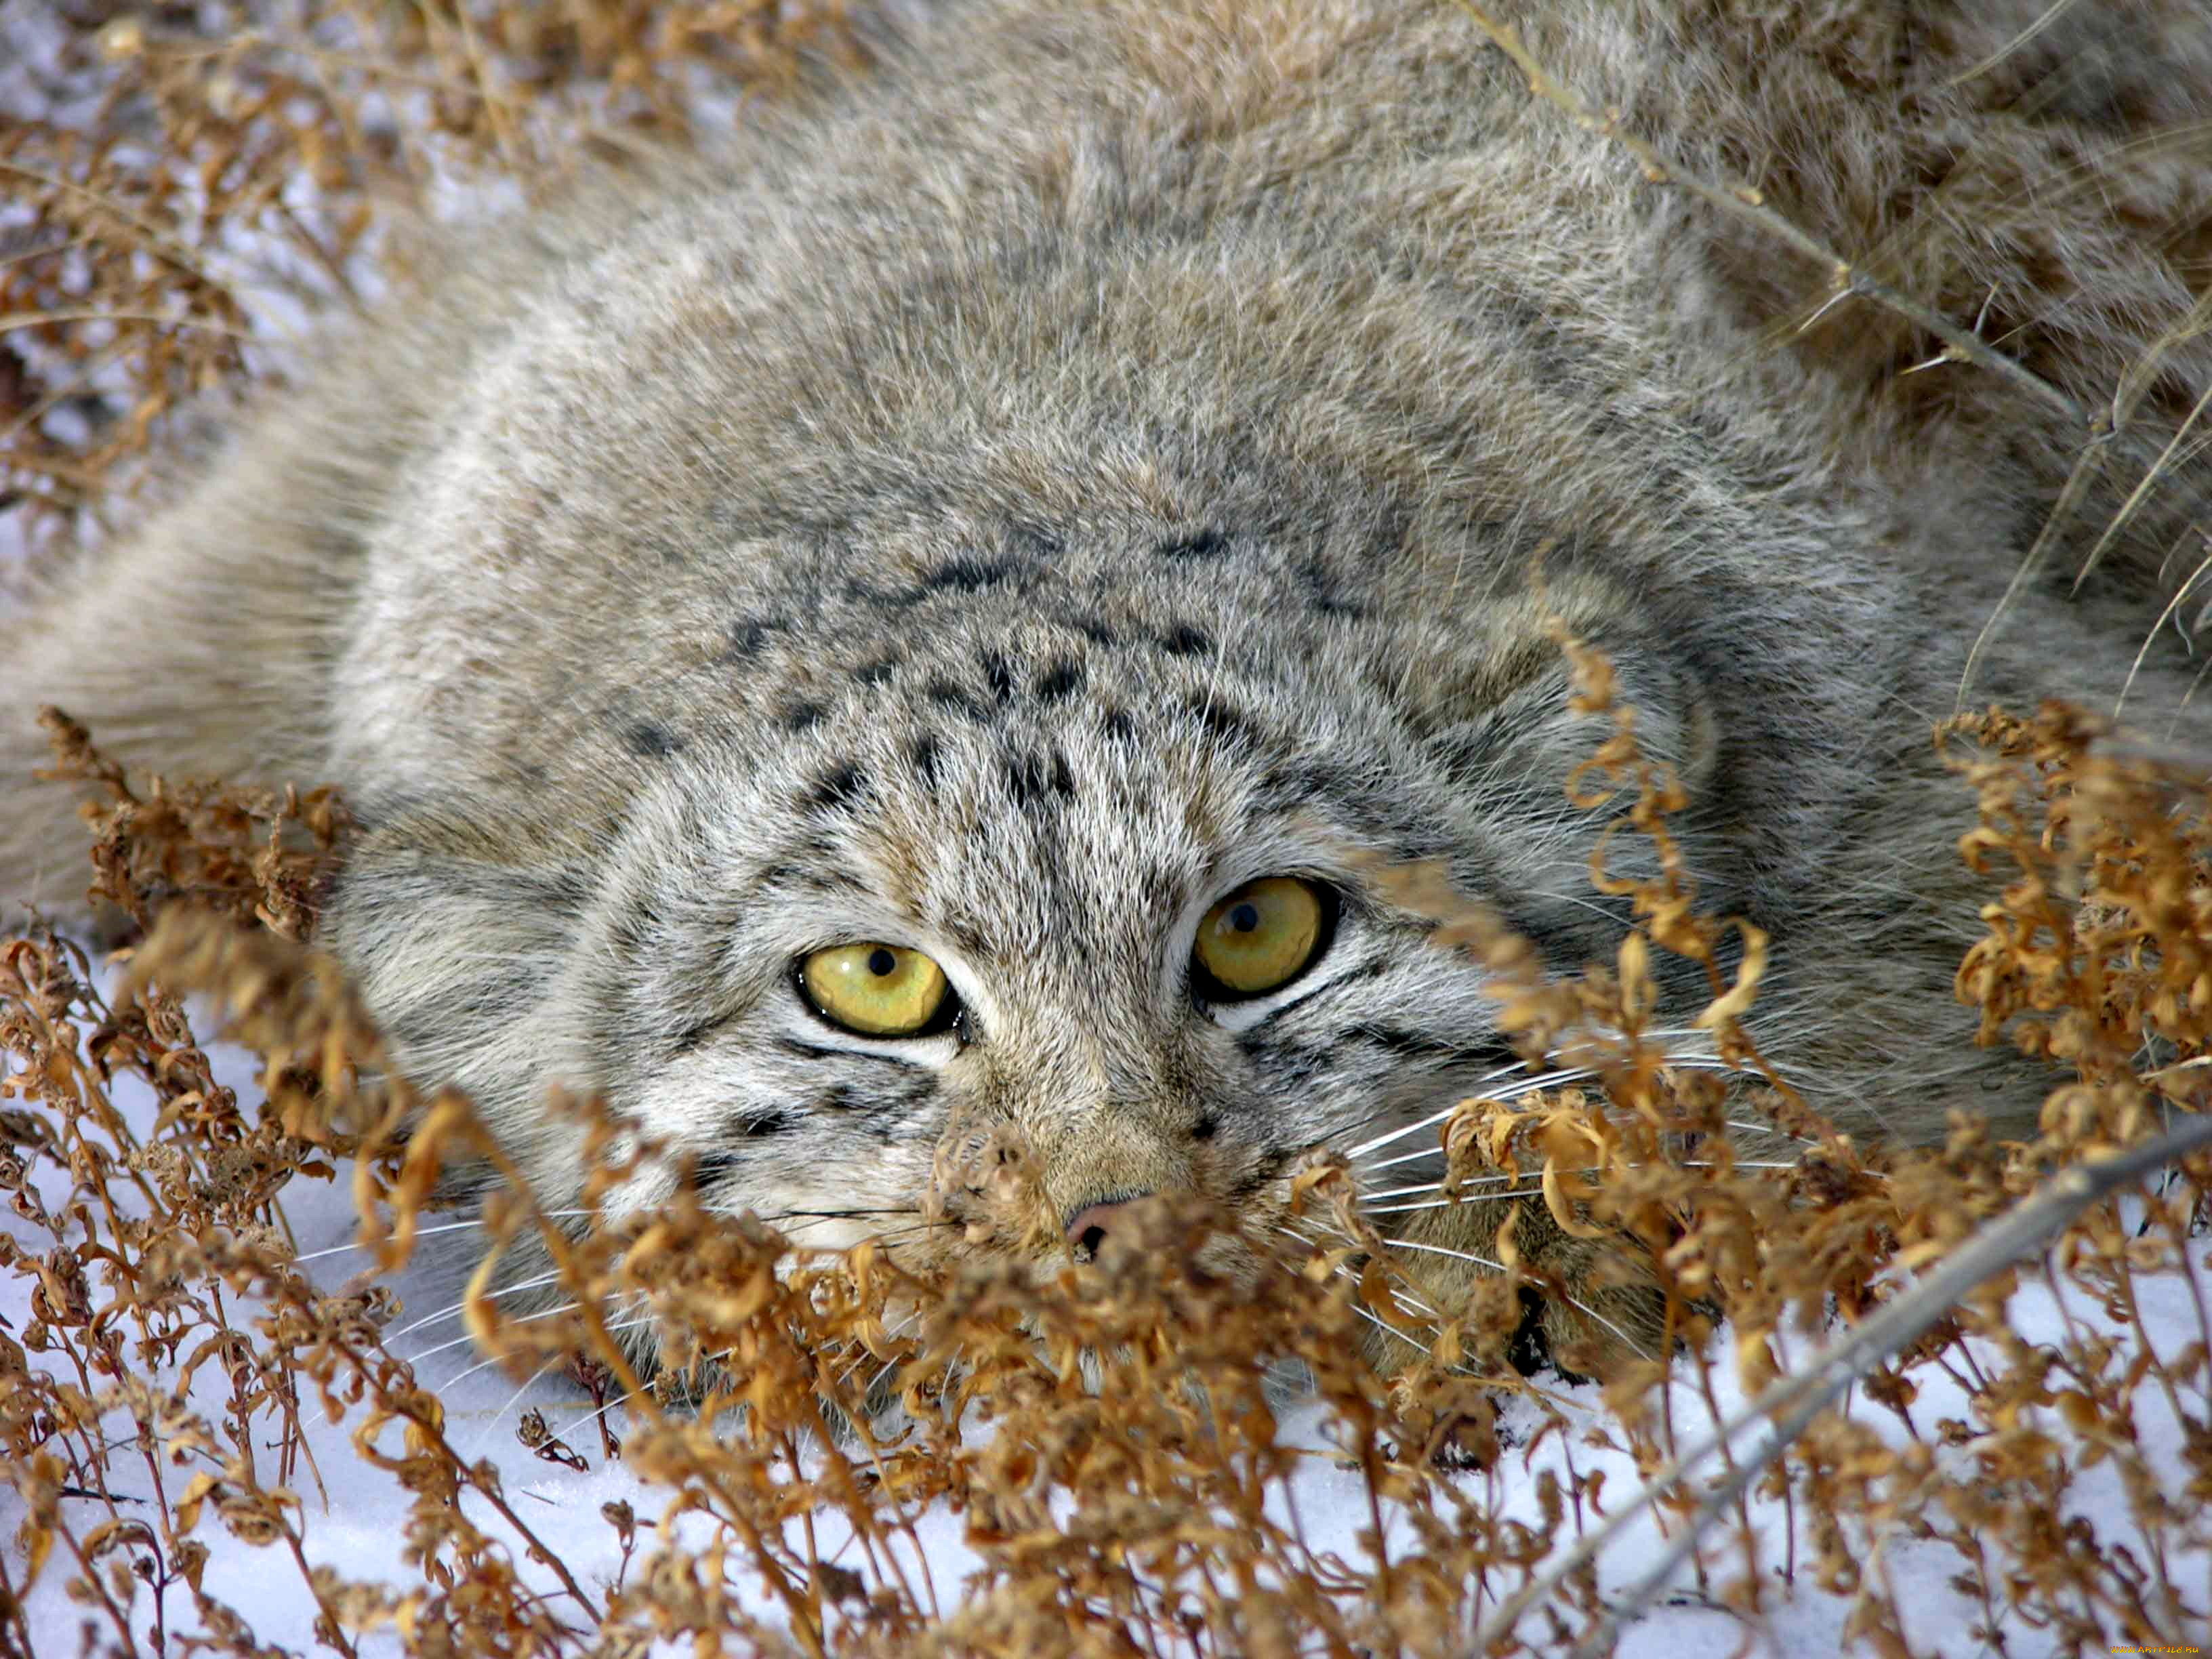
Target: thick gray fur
[1000, 503]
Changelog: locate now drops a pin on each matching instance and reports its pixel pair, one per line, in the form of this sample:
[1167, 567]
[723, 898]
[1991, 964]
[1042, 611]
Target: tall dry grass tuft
[179, 174]
[1109, 1434]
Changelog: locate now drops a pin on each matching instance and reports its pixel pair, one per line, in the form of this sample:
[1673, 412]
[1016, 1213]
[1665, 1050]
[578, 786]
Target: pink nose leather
[1087, 1231]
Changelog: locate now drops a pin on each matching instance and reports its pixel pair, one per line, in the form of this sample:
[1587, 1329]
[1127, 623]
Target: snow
[356, 1525]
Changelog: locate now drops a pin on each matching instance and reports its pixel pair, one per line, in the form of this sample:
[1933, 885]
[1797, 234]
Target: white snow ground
[358, 1528]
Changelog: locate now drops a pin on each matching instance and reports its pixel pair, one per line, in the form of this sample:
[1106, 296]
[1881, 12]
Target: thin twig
[1744, 203]
[2029, 1227]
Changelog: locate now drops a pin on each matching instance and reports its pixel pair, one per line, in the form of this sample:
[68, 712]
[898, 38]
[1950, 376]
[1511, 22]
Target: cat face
[1051, 831]
[1055, 864]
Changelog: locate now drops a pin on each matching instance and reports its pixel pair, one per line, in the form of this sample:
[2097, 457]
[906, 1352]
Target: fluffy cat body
[1114, 453]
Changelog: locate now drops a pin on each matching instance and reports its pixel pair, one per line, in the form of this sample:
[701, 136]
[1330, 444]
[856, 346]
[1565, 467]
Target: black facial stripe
[1290, 786]
[1269, 1169]
[1198, 544]
[1036, 780]
[693, 1037]
[649, 741]
[967, 575]
[842, 785]
[747, 634]
[1227, 725]
[922, 752]
[1287, 1063]
[1420, 1045]
[755, 1123]
[1058, 681]
[948, 695]
[802, 876]
[815, 1051]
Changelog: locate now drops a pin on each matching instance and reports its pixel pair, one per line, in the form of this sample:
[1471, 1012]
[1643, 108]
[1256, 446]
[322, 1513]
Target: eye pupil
[1259, 937]
[876, 990]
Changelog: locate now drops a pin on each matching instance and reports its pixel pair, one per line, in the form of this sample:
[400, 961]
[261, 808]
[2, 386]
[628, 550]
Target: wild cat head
[1052, 848]
[951, 710]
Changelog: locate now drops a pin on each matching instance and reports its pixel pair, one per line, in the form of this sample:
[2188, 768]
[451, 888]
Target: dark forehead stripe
[747, 634]
[1286, 786]
[1223, 722]
[950, 694]
[1184, 639]
[803, 877]
[651, 740]
[842, 785]
[1036, 780]
[968, 575]
[1197, 544]
[1058, 681]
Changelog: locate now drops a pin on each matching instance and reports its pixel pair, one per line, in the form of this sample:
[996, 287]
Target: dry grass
[1128, 1497]
[198, 166]
[1120, 1502]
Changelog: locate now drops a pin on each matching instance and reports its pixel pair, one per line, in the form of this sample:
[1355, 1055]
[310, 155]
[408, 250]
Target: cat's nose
[1089, 1227]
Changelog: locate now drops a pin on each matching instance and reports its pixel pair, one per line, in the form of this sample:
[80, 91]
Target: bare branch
[1745, 203]
[2028, 1227]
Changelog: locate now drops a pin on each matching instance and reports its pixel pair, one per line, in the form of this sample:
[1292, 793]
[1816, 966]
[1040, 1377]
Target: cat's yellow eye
[1261, 936]
[877, 990]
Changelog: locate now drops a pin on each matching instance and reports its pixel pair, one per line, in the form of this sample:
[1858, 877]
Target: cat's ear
[456, 928]
[1501, 703]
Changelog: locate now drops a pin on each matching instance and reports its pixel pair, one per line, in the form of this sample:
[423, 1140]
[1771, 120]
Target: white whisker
[1576, 1303]
[1446, 1203]
[491, 1295]
[601, 1411]
[1513, 1091]
[419, 1232]
[1516, 1088]
[514, 1400]
[524, 1319]
[1367, 1204]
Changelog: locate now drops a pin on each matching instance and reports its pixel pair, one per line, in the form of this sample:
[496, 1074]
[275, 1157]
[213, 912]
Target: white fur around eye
[804, 1026]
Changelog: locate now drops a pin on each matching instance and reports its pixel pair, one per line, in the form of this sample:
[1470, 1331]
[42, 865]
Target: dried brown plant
[1111, 1436]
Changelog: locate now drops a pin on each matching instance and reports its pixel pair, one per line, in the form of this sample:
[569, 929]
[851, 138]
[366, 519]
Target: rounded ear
[455, 927]
[1500, 705]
